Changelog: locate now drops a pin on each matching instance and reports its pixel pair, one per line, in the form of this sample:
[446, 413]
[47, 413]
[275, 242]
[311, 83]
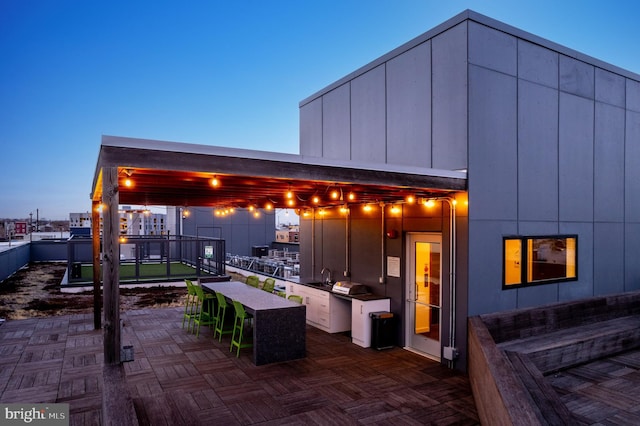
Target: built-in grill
[348, 288]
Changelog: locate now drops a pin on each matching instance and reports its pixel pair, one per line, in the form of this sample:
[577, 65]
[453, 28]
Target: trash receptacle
[382, 330]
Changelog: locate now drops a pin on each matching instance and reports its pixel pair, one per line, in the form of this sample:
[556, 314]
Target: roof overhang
[179, 174]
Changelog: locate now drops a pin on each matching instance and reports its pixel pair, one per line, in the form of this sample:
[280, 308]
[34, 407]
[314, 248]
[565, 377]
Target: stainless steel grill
[348, 288]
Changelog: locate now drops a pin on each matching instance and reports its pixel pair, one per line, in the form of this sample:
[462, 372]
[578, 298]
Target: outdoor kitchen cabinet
[361, 320]
[323, 310]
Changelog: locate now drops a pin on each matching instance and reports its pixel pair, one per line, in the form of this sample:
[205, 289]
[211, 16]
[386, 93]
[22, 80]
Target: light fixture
[344, 209]
[315, 199]
[351, 196]
[256, 214]
[214, 181]
[268, 206]
[367, 208]
[335, 194]
[395, 209]
[128, 183]
[289, 194]
[429, 203]
[291, 202]
[410, 199]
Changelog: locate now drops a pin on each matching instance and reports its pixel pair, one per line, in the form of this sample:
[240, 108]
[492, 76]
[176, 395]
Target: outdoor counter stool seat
[253, 281]
[204, 309]
[190, 304]
[220, 314]
[237, 338]
[269, 285]
[295, 298]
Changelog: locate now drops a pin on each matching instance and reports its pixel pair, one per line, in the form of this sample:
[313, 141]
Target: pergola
[157, 173]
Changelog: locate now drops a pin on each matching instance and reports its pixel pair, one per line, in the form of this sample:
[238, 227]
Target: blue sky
[226, 73]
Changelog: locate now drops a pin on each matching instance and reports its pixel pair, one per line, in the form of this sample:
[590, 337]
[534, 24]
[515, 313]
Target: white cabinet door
[361, 322]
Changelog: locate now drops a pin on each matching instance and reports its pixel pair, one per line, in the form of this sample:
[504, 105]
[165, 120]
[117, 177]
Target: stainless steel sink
[319, 284]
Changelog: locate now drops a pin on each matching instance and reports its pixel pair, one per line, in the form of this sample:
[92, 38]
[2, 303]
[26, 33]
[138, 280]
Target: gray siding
[336, 124]
[409, 107]
[493, 149]
[449, 95]
[575, 168]
[368, 127]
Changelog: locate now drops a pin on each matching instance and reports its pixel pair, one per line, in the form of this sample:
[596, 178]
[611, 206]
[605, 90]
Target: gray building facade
[550, 141]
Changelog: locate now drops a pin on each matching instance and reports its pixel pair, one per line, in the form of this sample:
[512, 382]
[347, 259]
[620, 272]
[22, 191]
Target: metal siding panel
[493, 153]
[537, 64]
[311, 129]
[609, 163]
[485, 267]
[631, 250]
[537, 295]
[492, 49]
[582, 288]
[576, 158]
[633, 95]
[368, 105]
[336, 131]
[610, 88]
[409, 107]
[576, 77]
[608, 258]
[537, 152]
[632, 167]
[449, 79]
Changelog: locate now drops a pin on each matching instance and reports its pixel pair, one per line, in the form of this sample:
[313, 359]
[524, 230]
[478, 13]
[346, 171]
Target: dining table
[279, 325]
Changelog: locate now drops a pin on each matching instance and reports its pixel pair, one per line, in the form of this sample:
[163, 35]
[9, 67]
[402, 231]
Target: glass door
[423, 290]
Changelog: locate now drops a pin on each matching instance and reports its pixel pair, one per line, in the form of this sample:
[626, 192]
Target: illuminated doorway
[424, 293]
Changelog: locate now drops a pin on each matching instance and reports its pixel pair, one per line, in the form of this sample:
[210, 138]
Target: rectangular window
[539, 260]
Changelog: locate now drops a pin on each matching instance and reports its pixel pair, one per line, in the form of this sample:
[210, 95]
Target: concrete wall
[552, 139]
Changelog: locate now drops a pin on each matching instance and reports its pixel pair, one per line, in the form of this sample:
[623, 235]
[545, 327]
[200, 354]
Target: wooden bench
[561, 349]
[510, 352]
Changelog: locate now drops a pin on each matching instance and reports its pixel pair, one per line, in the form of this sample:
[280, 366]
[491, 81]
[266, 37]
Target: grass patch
[146, 271]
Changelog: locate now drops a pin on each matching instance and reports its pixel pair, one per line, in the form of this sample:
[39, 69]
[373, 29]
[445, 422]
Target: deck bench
[511, 352]
[568, 347]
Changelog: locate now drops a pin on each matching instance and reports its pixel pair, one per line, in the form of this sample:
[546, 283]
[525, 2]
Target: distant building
[132, 222]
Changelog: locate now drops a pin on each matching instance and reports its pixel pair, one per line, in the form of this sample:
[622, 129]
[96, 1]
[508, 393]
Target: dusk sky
[226, 73]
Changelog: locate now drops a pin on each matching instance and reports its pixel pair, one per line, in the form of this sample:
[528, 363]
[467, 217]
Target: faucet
[328, 280]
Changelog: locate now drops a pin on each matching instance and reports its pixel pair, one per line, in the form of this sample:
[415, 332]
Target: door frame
[420, 345]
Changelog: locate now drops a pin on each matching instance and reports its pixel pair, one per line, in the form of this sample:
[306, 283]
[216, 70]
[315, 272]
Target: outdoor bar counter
[279, 325]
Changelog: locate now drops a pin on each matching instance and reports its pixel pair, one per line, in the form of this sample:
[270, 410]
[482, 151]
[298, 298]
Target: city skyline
[214, 73]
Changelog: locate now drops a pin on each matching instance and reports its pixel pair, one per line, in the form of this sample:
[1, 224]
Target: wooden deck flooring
[178, 379]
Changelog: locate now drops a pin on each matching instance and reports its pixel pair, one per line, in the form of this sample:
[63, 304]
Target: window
[539, 260]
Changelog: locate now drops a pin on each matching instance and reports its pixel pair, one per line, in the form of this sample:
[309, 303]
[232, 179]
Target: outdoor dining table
[279, 325]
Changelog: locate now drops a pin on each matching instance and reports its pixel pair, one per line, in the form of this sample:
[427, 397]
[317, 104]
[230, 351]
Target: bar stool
[220, 314]
[237, 339]
[204, 309]
[190, 304]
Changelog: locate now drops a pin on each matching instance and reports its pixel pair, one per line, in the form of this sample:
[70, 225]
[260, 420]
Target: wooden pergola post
[95, 232]
[111, 265]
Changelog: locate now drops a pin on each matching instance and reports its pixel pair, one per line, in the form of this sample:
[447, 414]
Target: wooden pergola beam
[111, 265]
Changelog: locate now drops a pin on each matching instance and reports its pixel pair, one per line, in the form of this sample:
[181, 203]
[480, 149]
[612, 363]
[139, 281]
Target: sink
[317, 284]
